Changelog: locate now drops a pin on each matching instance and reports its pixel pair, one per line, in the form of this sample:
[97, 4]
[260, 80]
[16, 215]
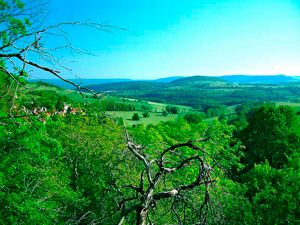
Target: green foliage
[272, 134]
[146, 114]
[275, 192]
[193, 118]
[222, 117]
[172, 109]
[34, 182]
[77, 169]
[164, 113]
[271, 175]
[92, 159]
[154, 138]
[136, 116]
[13, 26]
[59, 104]
[146, 108]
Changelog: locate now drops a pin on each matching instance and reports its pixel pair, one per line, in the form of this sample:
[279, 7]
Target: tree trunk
[141, 217]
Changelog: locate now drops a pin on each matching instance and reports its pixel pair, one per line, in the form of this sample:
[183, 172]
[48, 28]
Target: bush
[193, 118]
[146, 114]
[136, 116]
[222, 117]
[172, 109]
[165, 113]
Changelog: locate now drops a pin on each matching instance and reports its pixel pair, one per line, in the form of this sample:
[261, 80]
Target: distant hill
[256, 79]
[195, 80]
[173, 81]
[85, 82]
[167, 79]
[126, 86]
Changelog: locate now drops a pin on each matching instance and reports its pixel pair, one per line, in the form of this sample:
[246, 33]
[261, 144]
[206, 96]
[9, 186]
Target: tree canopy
[272, 134]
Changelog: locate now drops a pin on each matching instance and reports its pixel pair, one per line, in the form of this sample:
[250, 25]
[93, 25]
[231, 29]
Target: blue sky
[183, 38]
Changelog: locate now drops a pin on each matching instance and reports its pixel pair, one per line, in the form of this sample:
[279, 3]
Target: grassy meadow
[153, 119]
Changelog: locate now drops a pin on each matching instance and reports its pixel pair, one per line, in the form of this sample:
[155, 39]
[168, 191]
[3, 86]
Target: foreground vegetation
[63, 161]
[76, 168]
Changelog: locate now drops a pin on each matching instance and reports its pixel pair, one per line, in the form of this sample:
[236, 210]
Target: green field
[155, 116]
[153, 119]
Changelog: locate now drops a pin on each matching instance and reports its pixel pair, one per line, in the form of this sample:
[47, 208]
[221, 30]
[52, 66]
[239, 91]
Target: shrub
[146, 114]
[136, 116]
[165, 113]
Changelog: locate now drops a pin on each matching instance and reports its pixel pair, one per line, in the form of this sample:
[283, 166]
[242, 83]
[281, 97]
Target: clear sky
[184, 38]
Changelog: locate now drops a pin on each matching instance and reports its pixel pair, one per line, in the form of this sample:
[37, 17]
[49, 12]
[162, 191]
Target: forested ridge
[202, 90]
[68, 162]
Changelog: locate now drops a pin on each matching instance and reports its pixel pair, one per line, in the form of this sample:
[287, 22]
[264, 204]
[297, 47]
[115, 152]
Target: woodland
[68, 162]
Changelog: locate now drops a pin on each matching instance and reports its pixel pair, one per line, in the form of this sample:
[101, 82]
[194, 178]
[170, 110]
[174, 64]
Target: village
[41, 112]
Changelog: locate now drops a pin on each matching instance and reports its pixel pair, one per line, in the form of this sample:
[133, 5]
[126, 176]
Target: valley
[201, 95]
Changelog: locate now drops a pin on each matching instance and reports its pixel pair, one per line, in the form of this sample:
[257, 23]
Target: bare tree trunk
[141, 217]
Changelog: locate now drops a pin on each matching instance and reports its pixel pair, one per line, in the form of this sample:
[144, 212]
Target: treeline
[194, 96]
[45, 98]
[172, 109]
[214, 110]
[194, 99]
[114, 106]
[244, 112]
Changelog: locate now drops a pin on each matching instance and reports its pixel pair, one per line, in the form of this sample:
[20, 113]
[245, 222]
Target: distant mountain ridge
[171, 81]
[194, 80]
[167, 79]
[125, 86]
[186, 82]
[256, 79]
[84, 82]
[88, 82]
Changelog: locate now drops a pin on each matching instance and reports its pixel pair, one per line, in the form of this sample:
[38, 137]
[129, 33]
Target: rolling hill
[181, 80]
[258, 79]
[195, 80]
[167, 79]
[127, 86]
[85, 82]
[186, 82]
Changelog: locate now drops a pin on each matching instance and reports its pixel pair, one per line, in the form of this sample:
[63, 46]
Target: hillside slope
[195, 80]
[258, 79]
[126, 86]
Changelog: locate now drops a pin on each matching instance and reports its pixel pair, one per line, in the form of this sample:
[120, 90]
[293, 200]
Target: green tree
[193, 118]
[172, 109]
[222, 117]
[146, 114]
[59, 105]
[136, 116]
[165, 113]
[274, 193]
[34, 182]
[272, 134]
[271, 175]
